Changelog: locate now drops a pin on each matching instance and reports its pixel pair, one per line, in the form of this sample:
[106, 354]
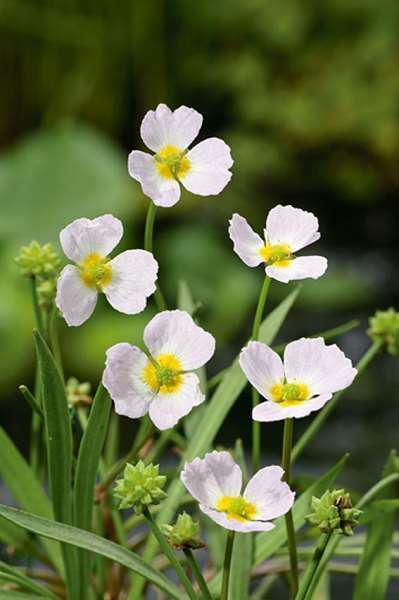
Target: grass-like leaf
[27, 492]
[59, 449]
[94, 543]
[8, 573]
[86, 472]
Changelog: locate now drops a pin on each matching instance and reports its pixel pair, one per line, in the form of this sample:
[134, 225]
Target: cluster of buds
[42, 264]
[78, 393]
[333, 512]
[140, 487]
[184, 534]
[385, 324]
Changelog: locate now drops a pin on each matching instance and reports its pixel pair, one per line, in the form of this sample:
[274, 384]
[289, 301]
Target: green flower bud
[385, 324]
[333, 512]
[78, 393]
[39, 261]
[140, 487]
[184, 533]
[46, 290]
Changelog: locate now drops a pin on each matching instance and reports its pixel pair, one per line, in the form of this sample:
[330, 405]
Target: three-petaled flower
[216, 483]
[310, 374]
[203, 170]
[126, 280]
[160, 383]
[288, 230]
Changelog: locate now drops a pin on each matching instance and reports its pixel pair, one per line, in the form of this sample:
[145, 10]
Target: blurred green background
[306, 94]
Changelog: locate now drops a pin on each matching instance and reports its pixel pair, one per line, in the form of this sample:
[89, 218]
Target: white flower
[216, 481]
[203, 170]
[288, 229]
[311, 373]
[126, 280]
[160, 383]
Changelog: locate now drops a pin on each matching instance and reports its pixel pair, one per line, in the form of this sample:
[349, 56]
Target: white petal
[142, 167]
[241, 526]
[87, 236]
[272, 496]
[174, 332]
[134, 273]
[75, 300]
[262, 366]
[268, 412]
[167, 409]
[246, 242]
[293, 226]
[299, 268]
[122, 379]
[209, 478]
[325, 369]
[210, 161]
[163, 127]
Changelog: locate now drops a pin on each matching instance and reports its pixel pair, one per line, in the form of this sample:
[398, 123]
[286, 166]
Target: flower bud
[333, 512]
[78, 393]
[385, 324]
[38, 261]
[140, 487]
[184, 533]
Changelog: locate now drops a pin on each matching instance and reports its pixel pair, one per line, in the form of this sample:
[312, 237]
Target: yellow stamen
[95, 271]
[237, 508]
[289, 394]
[172, 163]
[279, 255]
[166, 376]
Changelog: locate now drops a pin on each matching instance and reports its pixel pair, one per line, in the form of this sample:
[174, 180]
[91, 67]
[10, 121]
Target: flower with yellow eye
[161, 382]
[310, 374]
[215, 481]
[203, 170]
[126, 280]
[288, 230]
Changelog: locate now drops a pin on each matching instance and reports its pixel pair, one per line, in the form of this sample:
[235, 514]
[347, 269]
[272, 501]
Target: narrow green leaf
[372, 579]
[94, 543]
[24, 581]
[14, 536]
[31, 400]
[10, 595]
[86, 472]
[59, 449]
[267, 543]
[224, 397]
[26, 490]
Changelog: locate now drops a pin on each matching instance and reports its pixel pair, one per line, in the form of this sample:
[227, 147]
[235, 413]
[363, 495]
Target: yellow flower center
[164, 377]
[172, 163]
[237, 508]
[95, 271]
[279, 255]
[290, 394]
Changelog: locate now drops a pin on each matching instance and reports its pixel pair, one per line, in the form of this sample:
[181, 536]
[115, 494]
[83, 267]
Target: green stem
[289, 522]
[148, 245]
[369, 495]
[322, 415]
[256, 438]
[226, 565]
[167, 550]
[329, 334]
[29, 397]
[308, 576]
[36, 308]
[196, 571]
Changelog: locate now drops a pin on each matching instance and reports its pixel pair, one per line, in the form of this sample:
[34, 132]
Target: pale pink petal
[175, 332]
[74, 299]
[209, 478]
[262, 366]
[209, 173]
[91, 236]
[268, 411]
[134, 273]
[303, 267]
[233, 524]
[123, 379]
[247, 243]
[167, 409]
[163, 127]
[272, 496]
[143, 167]
[325, 369]
[293, 226]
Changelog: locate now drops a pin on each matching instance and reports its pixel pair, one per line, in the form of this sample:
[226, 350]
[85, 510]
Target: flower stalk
[196, 571]
[148, 245]
[289, 522]
[227, 565]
